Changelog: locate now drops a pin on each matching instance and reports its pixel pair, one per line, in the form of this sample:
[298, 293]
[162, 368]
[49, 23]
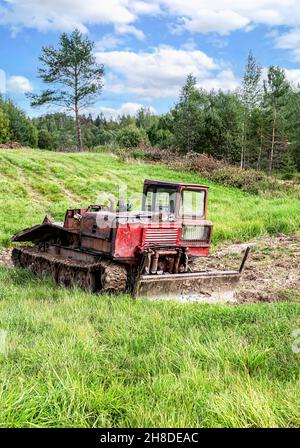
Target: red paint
[123, 236]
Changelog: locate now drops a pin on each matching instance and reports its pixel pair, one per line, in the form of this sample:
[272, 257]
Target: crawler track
[100, 276]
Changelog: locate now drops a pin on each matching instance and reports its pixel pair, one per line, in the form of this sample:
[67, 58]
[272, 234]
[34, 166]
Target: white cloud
[290, 41]
[218, 42]
[124, 109]
[61, 15]
[293, 75]
[222, 21]
[130, 29]
[224, 16]
[144, 7]
[224, 80]
[18, 84]
[108, 42]
[189, 45]
[162, 72]
[220, 16]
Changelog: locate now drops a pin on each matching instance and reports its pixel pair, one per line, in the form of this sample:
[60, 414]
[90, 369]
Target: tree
[76, 77]
[188, 115]
[4, 127]
[145, 118]
[276, 88]
[44, 139]
[221, 133]
[21, 128]
[131, 136]
[250, 97]
[292, 124]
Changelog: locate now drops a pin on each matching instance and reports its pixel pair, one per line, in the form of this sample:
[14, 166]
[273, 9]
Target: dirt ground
[5, 258]
[272, 271]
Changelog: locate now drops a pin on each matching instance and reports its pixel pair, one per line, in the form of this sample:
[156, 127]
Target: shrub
[131, 136]
[219, 171]
[44, 139]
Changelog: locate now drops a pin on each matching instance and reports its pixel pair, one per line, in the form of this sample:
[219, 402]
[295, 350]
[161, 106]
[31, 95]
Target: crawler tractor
[149, 253]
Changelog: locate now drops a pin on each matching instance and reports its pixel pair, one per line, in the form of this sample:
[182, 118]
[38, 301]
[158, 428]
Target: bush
[44, 139]
[219, 171]
[131, 136]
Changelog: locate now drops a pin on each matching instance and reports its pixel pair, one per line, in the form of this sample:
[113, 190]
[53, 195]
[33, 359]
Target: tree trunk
[273, 142]
[245, 150]
[260, 151]
[77, 116]
[78, 129]
[242, 164]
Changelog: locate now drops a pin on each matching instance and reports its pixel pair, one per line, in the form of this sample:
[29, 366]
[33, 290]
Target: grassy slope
[74, 359]
[35, 182]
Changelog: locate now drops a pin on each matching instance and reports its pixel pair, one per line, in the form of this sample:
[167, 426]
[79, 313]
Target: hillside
[77, 359]
[34, 182]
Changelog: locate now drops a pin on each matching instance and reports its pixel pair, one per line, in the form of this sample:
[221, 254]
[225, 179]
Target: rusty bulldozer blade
[206, 286]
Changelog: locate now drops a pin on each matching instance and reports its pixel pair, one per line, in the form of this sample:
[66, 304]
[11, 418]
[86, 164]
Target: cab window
[160, 200]
[193, 203]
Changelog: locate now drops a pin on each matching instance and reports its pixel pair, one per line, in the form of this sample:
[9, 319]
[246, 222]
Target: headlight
[195, 233]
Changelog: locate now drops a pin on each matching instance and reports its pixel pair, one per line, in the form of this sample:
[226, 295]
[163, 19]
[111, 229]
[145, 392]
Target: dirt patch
[5, 258]
[272, 271]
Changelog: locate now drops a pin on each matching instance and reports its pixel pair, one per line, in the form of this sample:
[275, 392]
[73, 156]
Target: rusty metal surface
[94, 276]
[99, 248]
[214, 287]
[40, 232]
[209, 286]
[163, 183]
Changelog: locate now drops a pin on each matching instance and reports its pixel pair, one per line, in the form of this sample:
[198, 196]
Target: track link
[101, 276]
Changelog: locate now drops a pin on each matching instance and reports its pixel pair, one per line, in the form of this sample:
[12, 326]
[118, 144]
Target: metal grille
[160, 236]
[195, 233]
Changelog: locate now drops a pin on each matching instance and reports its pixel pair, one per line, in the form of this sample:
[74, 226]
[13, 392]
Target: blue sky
[149, 46]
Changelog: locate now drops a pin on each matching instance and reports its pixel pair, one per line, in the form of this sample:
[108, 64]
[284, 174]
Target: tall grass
[34, 182]
[74, 359]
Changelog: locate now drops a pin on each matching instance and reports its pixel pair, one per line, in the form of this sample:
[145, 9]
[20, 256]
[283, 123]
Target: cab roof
[172, 184]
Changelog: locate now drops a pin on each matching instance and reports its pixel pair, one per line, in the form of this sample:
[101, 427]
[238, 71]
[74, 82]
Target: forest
[257, 126]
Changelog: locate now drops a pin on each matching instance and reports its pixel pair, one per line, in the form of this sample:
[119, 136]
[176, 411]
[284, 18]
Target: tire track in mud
[272, 271]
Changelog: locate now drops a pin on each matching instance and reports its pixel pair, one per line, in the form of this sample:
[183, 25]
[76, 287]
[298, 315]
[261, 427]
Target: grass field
[79, 360]
[76, 359]
[35, 182]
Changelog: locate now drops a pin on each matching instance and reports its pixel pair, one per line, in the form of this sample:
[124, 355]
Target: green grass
[75, 359]
[81, 360]
[33, 182]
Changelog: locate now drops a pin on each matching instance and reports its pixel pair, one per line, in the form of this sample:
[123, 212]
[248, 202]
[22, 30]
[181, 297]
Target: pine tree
[74, 74]
[250, 96]
[276, 89]
[188, 116]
